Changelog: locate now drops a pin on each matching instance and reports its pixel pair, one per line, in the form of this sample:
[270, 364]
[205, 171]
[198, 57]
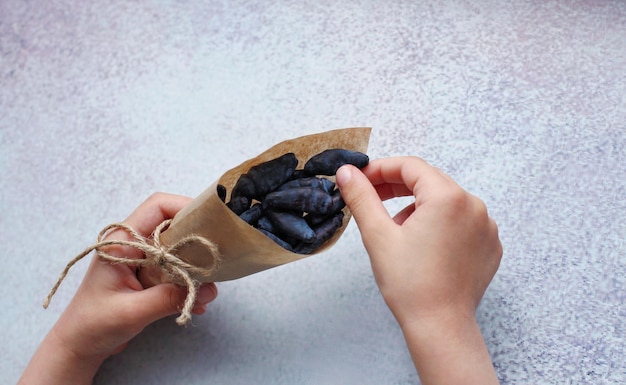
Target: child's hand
[111, 306]
[433, 261]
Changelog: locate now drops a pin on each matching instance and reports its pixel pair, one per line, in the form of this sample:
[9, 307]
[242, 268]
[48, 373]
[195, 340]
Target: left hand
[111, 306]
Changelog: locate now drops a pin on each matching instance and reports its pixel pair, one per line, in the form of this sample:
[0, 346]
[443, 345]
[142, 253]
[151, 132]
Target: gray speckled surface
[524, 103]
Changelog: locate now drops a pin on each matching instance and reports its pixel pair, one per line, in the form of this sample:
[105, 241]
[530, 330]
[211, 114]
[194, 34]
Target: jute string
[156, 255]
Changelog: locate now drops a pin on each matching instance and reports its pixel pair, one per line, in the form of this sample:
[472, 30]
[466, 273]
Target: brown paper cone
[243, 249]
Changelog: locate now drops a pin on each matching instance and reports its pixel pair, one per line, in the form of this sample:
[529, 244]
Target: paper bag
[244, 250]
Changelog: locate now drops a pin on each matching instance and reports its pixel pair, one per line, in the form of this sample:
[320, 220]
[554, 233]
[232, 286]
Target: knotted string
[156, 255]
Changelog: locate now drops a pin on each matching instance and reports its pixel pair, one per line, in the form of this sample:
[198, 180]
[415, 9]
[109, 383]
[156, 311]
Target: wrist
[449, 348]
[84, 362]
[56, 363]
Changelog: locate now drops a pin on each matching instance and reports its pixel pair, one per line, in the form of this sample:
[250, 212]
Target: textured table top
[523, 103]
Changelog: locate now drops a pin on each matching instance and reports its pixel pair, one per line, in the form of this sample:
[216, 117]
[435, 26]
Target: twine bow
[156, 255]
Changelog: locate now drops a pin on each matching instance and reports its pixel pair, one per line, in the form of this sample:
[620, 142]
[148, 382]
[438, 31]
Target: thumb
[363, 201]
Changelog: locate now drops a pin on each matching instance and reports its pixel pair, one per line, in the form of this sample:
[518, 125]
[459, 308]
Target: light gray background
[522, 102]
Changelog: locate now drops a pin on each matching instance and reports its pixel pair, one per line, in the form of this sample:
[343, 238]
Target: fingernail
[343, 175]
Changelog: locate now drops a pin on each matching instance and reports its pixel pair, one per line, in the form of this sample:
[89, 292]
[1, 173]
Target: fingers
[167, 299]
[152, 212]
[384, 179]
[403, 176]
[363, 201]
[498, 248]
[404, 214]
[206, 293]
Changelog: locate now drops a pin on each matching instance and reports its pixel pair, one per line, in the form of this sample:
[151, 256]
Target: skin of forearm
[54, 364]
[450, 352]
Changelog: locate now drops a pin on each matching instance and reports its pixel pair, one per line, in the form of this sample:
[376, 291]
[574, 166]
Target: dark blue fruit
[323, 232]
[252, 215]
[239, 204]
[221, 192]
[292, 225]
[277, 239]
[266, 176]
[305, 199]
[327, 162]
[312, 181]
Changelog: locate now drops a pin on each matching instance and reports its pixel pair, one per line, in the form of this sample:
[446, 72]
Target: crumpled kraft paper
[243, 250]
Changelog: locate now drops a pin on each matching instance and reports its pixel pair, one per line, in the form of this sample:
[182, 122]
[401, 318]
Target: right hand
[434, 258]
